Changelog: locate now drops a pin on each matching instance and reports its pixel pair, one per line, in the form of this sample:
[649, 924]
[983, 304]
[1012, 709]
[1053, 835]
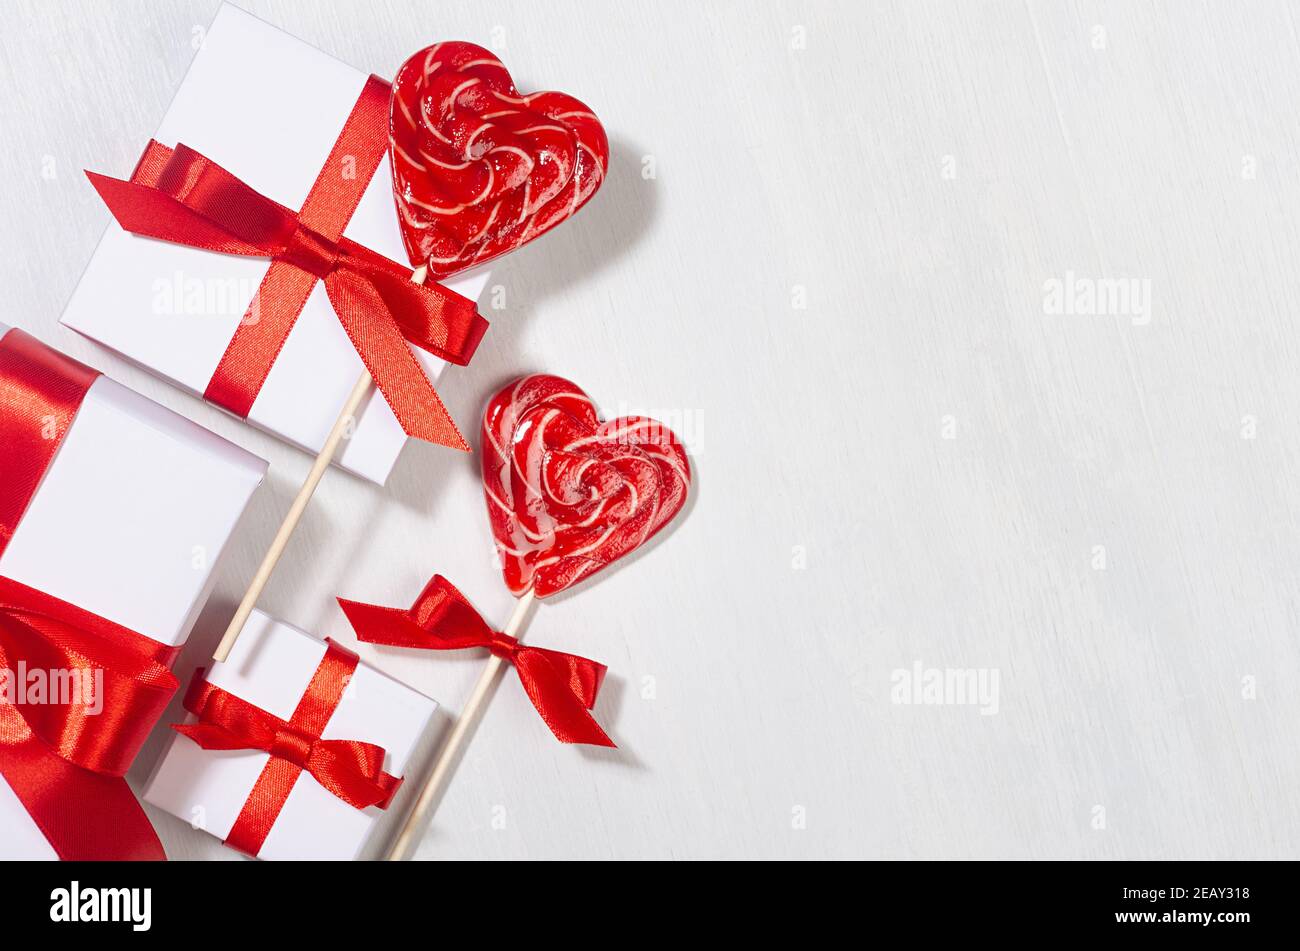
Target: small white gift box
[129, 523]
[271, 667]
[268, 108]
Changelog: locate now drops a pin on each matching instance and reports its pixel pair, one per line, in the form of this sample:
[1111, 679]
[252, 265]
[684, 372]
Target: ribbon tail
[151, 213]
[585, 677]
[396, 371]
[84, 816]
[353, 771]
[551, 691]
[437, 320]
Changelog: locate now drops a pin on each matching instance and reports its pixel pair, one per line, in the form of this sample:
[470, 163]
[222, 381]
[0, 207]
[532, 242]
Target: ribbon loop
[113, 684]
[562, 687]
[180, 196]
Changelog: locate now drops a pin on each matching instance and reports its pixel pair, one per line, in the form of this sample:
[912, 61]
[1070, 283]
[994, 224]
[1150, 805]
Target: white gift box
[134, 514]
[268, 108]
[270, 667]
[129, 523]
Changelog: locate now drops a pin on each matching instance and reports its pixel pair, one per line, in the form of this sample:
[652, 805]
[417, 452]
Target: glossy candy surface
[567, 494]
[478, 169]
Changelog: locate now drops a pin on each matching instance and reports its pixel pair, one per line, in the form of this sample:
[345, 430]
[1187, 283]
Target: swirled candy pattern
[567, 494]
[478, 168]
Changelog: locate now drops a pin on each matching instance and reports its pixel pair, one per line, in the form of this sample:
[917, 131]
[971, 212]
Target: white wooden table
[979, 320]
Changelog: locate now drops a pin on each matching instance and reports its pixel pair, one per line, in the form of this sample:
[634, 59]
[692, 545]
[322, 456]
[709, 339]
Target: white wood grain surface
[823, 255]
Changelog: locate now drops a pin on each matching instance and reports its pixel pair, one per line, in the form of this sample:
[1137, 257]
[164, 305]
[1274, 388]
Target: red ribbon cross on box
[350, 769]
[180, 196]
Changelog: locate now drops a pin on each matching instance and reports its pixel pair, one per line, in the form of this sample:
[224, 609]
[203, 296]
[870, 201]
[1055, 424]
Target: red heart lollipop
[567, 494]
[478, 169]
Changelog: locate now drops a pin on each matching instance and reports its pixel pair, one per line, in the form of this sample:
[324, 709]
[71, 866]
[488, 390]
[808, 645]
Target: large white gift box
[129, 523]
[268, 108]
[270, 667]
[134, 514]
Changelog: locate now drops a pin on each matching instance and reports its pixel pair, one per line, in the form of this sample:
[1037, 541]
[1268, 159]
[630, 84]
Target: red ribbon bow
[46, 634]
[350, 769]
[563, 687]
[182, 197]
[65, 760]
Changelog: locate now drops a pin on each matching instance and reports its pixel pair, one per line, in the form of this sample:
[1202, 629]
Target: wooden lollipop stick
[291, 520]
[460, 735]
[342, 427]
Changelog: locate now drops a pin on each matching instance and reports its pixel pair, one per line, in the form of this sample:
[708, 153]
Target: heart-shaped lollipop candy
[567, 494]
[478, 169]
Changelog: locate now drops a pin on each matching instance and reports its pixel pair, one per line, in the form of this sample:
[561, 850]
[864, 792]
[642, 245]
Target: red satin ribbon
[561, 686]
[182, 197]
[351, 770]
[64, 762]
[40, 393]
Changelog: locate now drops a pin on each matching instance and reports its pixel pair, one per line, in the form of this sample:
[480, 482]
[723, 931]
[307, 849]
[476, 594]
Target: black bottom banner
[1178, 901]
